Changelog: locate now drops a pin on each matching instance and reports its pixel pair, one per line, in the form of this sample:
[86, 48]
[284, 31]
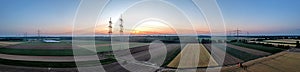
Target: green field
[42, 52]
[259, 47]
[239, 54]
[63, 48]
[109, 48]
[56, 64]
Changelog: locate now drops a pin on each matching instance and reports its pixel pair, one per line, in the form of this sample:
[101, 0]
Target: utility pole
[110, 27]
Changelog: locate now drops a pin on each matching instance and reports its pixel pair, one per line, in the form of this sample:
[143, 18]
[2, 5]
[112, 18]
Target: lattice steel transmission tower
[39, 34]
[110, 27]
[121, 26]
[238, 33]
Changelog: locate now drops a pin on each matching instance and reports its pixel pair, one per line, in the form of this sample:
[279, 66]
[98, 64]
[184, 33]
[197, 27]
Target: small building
[51, 41]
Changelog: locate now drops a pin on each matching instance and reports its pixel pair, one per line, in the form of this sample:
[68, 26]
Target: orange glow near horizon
[152, 27]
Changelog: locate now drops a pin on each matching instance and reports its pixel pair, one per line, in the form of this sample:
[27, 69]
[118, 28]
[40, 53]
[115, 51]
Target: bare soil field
[280, 62]
[6, 43]
[141, 54]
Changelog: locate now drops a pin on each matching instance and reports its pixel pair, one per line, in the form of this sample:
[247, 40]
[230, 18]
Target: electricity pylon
[121, 26]
[110, 27]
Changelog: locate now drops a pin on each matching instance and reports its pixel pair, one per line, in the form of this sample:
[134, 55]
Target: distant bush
[233, 40]
[205, 41]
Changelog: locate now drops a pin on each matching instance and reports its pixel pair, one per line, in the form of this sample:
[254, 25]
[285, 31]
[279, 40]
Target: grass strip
[55, 64]
[42, 52]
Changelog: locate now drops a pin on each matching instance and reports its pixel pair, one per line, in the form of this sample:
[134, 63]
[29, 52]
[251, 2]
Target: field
[228, 59]
[138, 51]
[7, 43]
[142, 54]
[238, 54]
[109, 47]
[63, 48]
[258, 47]
[54, 64]
[290, 41]
[286, 42]
[250, 51]
[193, 55]
[234, 53]
[281, 62]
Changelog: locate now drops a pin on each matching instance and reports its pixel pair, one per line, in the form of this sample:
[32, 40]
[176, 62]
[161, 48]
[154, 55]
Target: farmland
[228, 59]
[63, 48]
[141, 54]
[286, 42]
[237, 53]
[193, 55]
[259, 47]
[7, 43]
[234, 53]
[250, 51]
[281, 62]
[48, 50]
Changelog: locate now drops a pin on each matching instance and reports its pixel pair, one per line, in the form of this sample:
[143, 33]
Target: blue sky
[56, 16]
[269, 16]
[19, 16]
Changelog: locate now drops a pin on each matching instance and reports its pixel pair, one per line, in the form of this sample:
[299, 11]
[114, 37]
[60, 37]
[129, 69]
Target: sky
[55, 17]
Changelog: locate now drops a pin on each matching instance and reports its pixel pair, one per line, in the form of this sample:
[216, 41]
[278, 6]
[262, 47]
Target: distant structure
[25, 36]
[121, 26]
[248, 34]
[39, 34]
[51, 41]
[297, 44]
[237, 33]
[110, 27]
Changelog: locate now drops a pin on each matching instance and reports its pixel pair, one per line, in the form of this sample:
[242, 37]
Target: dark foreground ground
[139, 53]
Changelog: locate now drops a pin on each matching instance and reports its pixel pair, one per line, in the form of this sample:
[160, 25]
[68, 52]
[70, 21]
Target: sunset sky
[55, 17]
